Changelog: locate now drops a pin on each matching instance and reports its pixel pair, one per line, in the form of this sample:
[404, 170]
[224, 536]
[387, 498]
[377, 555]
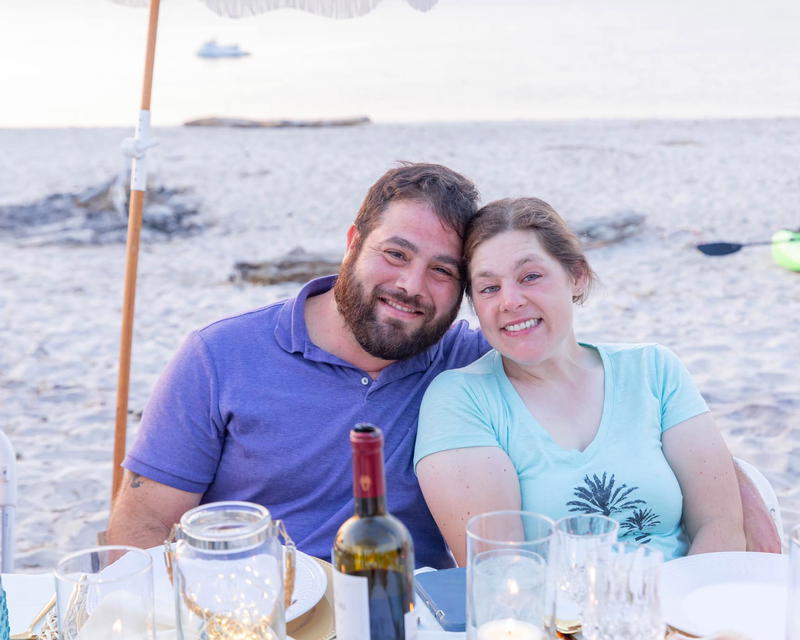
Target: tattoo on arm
[137, 481]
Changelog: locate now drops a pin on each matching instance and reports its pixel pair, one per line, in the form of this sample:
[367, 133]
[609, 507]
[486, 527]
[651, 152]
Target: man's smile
[399, 307]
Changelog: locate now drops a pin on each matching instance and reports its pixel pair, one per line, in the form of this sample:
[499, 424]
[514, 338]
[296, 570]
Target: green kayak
[786, 249]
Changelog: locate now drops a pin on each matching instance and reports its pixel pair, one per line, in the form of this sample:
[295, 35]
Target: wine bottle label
[351, 605]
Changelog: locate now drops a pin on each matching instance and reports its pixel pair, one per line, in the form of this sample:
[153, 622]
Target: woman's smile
[521, 327]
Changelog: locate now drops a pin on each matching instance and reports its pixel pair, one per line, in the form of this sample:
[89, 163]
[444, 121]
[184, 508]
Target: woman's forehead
[508, 250]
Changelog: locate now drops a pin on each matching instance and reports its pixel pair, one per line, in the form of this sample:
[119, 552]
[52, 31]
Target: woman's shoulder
[485, 365]
[642, 362]
[633, 351]
[473, 376]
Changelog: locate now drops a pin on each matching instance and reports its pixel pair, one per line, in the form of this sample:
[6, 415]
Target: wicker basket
[49, 630]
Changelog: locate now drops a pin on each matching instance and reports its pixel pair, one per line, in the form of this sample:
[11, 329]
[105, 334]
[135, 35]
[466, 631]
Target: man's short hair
[453, 198]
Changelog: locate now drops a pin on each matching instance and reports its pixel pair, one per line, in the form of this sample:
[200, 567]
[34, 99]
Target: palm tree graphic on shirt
[636, 524]
[600, 495]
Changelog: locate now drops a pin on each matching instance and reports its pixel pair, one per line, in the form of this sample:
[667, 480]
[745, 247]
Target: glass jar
[232, 577]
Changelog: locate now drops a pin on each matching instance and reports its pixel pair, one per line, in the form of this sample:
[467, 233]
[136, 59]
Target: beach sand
[732, 320]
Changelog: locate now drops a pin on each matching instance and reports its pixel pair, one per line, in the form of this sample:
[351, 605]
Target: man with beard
[258, 407]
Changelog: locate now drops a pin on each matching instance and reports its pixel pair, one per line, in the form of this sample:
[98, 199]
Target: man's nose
[411, 280]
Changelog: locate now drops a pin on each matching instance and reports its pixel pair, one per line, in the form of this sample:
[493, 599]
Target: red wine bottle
[373, 555]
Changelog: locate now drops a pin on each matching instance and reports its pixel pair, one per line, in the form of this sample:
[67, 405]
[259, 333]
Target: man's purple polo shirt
[250, 409]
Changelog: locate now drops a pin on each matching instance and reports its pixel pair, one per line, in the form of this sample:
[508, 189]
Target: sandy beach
[733, 320]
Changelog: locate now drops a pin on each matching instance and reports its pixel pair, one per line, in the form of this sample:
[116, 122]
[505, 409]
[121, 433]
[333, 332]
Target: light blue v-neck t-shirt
[622, 473]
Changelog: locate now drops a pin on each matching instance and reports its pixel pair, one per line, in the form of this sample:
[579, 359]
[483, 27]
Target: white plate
[737, 591]
[309, 585]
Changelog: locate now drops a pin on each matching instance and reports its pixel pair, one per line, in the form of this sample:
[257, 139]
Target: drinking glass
[576, 537]
[509, 590]
[793, 603]
[105, 593]
[622, 593]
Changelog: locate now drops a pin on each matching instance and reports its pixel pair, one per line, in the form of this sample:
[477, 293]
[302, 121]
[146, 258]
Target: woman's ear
[579, 285]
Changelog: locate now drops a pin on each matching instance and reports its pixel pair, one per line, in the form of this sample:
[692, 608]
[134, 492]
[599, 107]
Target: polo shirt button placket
[365, 381]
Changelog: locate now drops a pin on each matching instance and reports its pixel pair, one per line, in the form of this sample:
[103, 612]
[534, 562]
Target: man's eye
[397, 255]
[530, 277]
[492, 288]
[443, 271]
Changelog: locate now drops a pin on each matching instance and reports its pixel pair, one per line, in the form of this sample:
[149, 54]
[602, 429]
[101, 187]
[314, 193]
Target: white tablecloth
[26, 595]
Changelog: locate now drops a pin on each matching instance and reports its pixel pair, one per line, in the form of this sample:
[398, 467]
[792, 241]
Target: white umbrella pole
[136, 148]
[8, 502]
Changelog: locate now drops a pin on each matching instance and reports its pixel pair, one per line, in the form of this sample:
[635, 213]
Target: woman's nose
[512, 298]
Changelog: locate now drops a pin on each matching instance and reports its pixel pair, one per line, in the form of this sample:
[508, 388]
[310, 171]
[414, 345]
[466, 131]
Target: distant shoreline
[373, 122]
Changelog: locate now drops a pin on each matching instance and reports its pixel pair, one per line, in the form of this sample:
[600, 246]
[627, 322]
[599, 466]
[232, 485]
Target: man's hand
[759, 527]
[145, 510]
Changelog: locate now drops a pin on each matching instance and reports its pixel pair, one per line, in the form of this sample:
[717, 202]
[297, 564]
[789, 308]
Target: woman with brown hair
[547, 424]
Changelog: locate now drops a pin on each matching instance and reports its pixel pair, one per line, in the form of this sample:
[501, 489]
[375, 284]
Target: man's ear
[352, 237]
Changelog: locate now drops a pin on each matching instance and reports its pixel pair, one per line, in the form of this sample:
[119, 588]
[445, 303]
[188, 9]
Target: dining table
[27, 594]
[685, 583]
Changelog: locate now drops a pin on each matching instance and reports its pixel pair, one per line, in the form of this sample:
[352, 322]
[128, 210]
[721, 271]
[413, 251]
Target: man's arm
[145, 510]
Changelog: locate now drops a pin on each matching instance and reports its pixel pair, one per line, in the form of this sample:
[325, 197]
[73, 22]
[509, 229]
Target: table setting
[527, 578]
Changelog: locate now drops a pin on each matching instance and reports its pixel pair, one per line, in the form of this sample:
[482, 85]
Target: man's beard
[386, 339]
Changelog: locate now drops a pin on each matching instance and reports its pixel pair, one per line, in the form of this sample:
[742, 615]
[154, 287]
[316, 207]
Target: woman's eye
[492, 288]
[530, 277]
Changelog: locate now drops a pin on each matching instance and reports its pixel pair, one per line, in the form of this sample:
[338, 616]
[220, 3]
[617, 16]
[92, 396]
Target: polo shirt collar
[291, 334]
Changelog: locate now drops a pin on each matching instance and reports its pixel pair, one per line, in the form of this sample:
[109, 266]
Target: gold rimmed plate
[318, 623]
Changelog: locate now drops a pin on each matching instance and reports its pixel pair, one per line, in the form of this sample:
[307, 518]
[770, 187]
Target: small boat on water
[213, 50]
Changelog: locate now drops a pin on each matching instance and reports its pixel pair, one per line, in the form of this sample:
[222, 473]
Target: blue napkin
[444, 593]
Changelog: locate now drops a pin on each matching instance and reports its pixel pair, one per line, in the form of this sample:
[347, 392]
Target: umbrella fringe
[329, 8]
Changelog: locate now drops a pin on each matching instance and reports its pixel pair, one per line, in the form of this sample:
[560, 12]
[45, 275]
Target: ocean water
[79, 62]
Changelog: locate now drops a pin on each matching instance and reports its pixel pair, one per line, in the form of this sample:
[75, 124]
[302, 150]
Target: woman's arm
[461, 483]
[712, 507]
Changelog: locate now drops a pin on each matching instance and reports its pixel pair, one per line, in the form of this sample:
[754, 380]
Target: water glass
[622, 593]
[509, 590]
[576, 537]
[105, 593]
[793, 603]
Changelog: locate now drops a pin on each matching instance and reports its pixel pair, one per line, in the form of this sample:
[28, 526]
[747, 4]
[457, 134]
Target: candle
[118, 616]
[508, 629]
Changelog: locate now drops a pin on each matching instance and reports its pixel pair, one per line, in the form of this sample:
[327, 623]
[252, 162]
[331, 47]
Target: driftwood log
[296, 266]
[300, 266]
[599, 232]
[98, 215]
[275, 124]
